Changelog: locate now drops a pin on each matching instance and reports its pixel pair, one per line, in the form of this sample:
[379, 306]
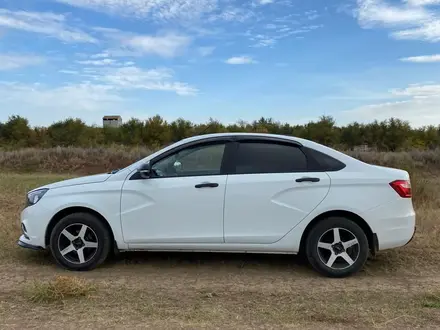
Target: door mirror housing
[145, 171]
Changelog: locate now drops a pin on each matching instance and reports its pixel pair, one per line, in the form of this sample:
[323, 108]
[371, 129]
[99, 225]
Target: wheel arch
[372, 237]
[75, 209]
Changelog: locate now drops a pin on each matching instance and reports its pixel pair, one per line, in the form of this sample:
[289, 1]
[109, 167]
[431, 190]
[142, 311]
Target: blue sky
[293, 60]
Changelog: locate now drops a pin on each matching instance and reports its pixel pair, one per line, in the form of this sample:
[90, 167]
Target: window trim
[228, 161]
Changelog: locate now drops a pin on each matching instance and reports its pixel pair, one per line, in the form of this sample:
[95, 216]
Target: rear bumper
[399, 233]
[412, 237]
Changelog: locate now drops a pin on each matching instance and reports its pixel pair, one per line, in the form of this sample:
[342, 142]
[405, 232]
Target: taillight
[402, 187]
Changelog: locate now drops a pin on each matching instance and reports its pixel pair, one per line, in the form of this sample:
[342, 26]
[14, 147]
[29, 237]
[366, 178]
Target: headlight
[34, 196]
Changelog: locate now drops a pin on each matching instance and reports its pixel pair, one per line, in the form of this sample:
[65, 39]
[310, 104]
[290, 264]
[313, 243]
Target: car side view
[232, 192]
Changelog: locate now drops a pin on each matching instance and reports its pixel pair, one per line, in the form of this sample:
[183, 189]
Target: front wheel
[337, 247]
[80, 241]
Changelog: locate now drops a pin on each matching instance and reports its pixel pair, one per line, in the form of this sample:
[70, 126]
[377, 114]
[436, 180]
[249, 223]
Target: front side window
[192, 161]
[264, 157]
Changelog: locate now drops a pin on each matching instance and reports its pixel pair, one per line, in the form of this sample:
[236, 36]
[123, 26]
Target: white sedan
[233, 192]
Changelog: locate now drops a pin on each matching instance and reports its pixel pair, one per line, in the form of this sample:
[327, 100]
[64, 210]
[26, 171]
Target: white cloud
[153, 79]
[423, 2]
[157, 9]
[422, 59]
[270, 26]
[372, 12]
[70, 98]
[100, 55]
[205, 51]
[427, 31]
[412, 20]
[419, 106]
[105, 90]
[418, 91]
[240, 60]
[69, 72]
[130, 77]
[168, 45]
[265, 2]
[165, 44]
[273, 33]
[264, 41]
[103, 62]
[311, 15]
[53, 25]
[16, 61]
[233, 14]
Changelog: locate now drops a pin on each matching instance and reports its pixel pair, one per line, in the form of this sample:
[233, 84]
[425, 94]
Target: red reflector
[402, 187]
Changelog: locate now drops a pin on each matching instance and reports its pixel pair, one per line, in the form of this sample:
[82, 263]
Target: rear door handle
[305, 179]
[207, 185]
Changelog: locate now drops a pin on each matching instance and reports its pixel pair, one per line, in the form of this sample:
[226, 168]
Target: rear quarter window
[318, 161]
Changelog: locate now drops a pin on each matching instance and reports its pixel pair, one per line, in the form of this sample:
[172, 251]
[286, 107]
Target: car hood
[78, 181]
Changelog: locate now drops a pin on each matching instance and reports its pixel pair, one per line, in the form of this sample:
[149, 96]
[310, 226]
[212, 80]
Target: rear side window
[319, 161]
[263, 157]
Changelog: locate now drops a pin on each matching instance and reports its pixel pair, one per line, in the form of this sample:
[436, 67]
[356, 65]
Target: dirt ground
[398, 289]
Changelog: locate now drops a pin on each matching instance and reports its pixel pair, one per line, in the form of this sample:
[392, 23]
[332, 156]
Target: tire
[337, 258]
[80, 241]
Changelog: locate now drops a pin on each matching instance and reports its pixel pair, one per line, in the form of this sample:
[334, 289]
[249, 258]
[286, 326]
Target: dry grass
[70, 160]
[93, 160]
[59, 289]
[398, 289]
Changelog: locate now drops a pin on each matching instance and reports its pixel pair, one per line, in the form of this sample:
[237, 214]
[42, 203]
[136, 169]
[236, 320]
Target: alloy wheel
[78, 243]
[338, 248]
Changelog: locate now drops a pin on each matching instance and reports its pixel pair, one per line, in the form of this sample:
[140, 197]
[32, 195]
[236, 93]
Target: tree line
[388, 135]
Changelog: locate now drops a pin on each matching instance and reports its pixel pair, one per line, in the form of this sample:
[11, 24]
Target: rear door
[270, 191]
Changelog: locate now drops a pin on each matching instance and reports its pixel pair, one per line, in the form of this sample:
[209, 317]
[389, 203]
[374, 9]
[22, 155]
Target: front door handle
[207, 185]
[306, 179]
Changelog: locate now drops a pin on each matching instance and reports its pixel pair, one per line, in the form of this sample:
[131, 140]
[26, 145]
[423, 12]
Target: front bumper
[22, 243]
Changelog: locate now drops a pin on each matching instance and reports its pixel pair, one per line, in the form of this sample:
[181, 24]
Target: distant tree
[352, 135]
[396, 134]
[69, 132]
[181, 129]
[132, 132]
[323, 131]
[156, 132]
[388, 135]
[16, 132]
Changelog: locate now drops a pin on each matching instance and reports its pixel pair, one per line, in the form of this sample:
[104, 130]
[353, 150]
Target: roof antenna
[206, 128]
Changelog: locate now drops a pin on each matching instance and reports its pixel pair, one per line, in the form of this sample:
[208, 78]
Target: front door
[182, 202]
[270, 192]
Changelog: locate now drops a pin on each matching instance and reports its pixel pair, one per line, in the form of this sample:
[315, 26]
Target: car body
[231, 192]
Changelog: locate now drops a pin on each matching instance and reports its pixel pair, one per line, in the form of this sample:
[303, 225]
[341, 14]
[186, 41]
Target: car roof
[239, 134]
[303, 142]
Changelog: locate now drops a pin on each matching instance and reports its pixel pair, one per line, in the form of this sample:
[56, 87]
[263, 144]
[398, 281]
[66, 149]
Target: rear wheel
[337, 247]
[80, 241]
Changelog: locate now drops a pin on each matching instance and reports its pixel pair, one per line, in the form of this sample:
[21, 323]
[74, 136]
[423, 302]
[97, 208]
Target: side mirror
[145, 171]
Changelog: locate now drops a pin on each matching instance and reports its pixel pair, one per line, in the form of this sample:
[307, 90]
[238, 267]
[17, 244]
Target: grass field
[398, 289]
